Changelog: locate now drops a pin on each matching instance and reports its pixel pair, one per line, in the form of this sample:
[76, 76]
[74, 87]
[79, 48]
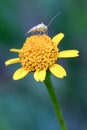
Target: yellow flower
[38, 54]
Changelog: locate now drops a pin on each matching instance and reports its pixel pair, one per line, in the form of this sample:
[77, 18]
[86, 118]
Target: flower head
[38, 54]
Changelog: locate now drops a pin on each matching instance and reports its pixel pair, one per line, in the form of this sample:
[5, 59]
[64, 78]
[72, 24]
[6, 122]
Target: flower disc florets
[38, 53]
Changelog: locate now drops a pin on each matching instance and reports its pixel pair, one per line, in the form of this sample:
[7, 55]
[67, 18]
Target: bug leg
[40, 33]
[46, 31]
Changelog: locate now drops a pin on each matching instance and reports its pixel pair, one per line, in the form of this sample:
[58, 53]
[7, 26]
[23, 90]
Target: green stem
[52, 94]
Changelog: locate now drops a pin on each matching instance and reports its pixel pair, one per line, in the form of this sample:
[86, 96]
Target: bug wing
[39, 28]
[32, 29]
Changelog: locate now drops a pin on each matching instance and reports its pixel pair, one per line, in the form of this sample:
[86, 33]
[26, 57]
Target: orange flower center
[38, 52]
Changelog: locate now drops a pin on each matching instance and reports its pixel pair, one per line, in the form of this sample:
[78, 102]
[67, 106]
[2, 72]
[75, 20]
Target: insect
[42, 28]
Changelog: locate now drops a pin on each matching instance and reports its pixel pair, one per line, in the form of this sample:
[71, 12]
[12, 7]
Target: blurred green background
[25, 104]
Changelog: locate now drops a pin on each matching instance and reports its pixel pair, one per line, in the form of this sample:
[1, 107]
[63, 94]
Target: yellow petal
[40, 75]
[56, 39]
[58, 70]
[68, 53]
[15, 50]
[36, 75]
[20, 73]
[12, 61]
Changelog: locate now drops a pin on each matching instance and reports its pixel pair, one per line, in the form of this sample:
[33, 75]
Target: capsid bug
[42, 28]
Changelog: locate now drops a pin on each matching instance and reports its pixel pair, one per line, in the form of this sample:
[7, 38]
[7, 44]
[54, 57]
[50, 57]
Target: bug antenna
[53, 18]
